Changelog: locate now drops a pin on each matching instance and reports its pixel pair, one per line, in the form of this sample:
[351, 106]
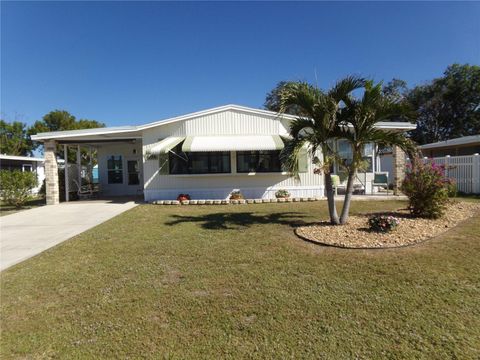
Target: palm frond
[302, 95]
[290, 155]
[342, 90]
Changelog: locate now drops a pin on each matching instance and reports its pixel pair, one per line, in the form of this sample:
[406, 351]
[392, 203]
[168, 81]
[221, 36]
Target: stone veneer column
[51, 172]
[398, 168]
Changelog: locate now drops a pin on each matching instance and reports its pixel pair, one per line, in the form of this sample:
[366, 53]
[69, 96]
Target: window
[133, 172]
[258, 161]
[115, 170]
[217, 162]
[345, 151]
[368, 152]
[27, 168]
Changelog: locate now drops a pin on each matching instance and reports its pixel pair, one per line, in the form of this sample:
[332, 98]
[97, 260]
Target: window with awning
[258, 161]
[211, 154]
[205, 162]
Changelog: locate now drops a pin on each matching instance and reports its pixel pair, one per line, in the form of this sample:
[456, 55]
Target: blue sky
[127, 63]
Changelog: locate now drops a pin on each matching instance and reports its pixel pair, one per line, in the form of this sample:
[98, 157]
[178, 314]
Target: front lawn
[6, 209]
[235, 282]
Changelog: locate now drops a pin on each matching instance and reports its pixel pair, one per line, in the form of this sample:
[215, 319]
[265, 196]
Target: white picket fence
[464, 169]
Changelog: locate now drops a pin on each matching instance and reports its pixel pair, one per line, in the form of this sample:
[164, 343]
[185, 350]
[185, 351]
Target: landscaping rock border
[411, 231]
[234, 202]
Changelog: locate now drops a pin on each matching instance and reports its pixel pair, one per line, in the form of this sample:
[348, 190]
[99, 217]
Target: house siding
[127, 152]
[219, 186]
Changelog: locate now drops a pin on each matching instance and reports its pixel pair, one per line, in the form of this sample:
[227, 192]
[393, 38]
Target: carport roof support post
[399, 164]
[51, 173]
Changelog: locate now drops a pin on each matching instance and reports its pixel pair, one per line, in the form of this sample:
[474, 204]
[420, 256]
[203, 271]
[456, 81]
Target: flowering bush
[183, 197]
[282, 194]
[427, 189]
[236, 195]
[383, 223]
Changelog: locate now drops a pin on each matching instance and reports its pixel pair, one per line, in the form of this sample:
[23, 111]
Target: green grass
[6, 209]
[235, 282]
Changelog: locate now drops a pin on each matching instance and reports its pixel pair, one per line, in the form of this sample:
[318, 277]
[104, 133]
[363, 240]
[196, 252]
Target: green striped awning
[165, 145]
[232, 143]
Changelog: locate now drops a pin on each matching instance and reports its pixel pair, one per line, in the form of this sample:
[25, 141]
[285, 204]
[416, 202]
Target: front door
[133, 172]
[134, 175]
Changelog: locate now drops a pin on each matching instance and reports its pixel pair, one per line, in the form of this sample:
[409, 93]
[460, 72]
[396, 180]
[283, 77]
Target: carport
[120, 146]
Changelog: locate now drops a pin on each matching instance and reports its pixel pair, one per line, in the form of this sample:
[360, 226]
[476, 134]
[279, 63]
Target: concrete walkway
[29, 232]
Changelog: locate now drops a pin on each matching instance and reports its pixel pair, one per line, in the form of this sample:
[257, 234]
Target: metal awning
[164, 146]
[232, 143]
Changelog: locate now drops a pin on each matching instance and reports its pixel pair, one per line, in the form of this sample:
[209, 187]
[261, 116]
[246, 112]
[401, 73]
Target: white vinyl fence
[464, 169]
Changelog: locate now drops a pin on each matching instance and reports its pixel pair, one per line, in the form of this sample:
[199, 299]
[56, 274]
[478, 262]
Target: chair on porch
[86, 191]
[336, 183]
[380, 179]
[358, 185]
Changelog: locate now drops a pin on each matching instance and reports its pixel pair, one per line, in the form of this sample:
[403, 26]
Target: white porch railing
[464, 169]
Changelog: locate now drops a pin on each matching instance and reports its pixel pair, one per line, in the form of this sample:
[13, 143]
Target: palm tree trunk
[332, 208]
[348, 197]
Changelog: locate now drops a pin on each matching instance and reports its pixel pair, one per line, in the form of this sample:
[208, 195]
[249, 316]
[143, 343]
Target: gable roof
[120, 132]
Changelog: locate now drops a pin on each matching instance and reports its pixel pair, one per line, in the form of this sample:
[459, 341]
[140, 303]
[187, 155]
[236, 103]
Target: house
[466, 145]
[206, 154]
[24, 163]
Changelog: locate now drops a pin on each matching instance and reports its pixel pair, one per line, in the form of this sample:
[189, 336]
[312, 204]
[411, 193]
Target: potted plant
[282, 194]
[383, 223]
[183, 197]
[236, 195]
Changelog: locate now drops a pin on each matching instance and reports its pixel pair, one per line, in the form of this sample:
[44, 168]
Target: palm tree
[357, 124]
[315, 127]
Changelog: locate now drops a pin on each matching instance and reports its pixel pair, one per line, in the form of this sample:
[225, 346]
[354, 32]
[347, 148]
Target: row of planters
[235, 197]
[428, 192]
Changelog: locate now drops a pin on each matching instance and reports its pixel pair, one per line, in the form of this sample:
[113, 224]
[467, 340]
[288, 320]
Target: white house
[206, 154]
[465, 145]
[25, 163]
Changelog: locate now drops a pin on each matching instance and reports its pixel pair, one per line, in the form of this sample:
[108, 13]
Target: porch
[101, 171]
[99, 163]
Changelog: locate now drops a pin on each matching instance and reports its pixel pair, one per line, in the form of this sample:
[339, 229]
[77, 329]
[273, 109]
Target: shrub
[451, 186]
[282, 194]
[236, 195]
[383, 223]
[16, 186]
[427, 190]
[183, 197]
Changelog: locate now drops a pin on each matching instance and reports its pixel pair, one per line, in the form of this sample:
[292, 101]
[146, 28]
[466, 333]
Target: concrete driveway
[28, 233]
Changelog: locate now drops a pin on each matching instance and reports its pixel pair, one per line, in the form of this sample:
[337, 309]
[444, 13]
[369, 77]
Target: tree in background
[396, 90]
[445, 108]
[60, 120]
[273, 100]
[448, 107]
[14, 139]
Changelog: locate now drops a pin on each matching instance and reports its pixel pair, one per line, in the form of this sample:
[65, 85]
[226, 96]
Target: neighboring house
[466, 145]
[461, 160]
[206, 154]
[24, 163]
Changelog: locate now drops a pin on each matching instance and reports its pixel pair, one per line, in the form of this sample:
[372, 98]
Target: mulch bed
[356, 235]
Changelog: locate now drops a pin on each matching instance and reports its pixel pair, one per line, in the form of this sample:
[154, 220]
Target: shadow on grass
[234, 221]
[6, 209]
